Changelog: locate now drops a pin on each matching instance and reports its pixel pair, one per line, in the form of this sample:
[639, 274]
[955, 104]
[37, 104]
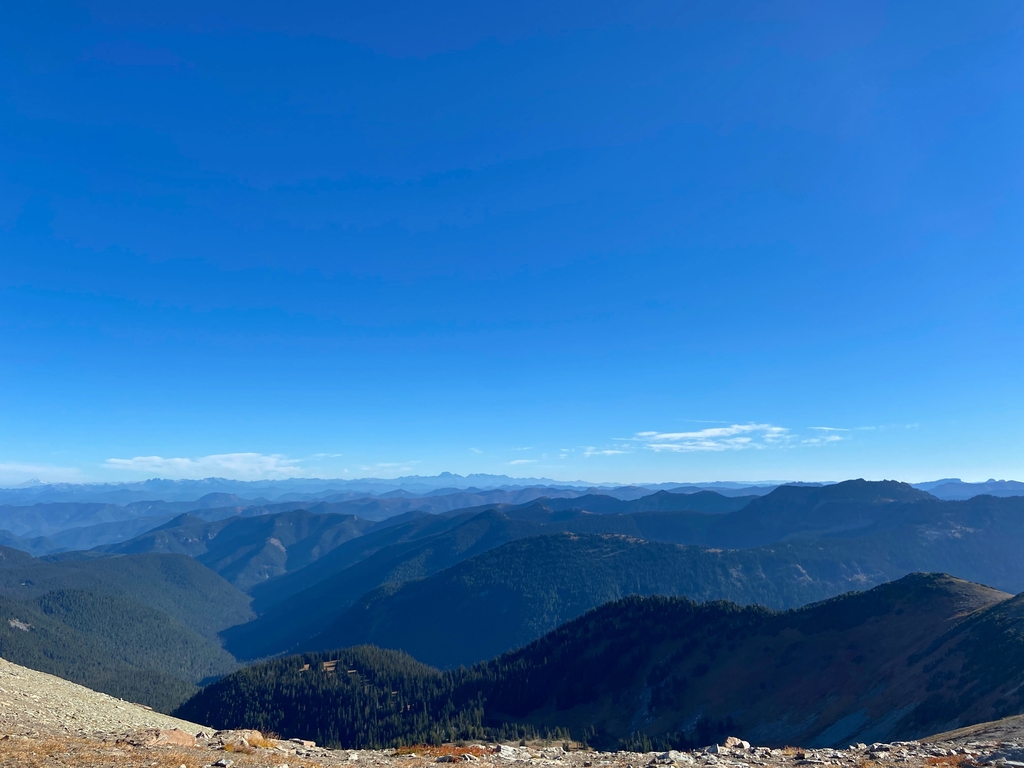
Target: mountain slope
[792, 511]
[920, 655]
[49, 518]
[302, 615]
[399, 530]
[249, 550]
[854, 668]
[662, 501]
[84, 537]
[174, 584]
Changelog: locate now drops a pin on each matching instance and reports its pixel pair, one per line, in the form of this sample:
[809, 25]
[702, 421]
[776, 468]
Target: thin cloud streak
[821, 440]
[237, 466]
[592, 451]
[734, 437]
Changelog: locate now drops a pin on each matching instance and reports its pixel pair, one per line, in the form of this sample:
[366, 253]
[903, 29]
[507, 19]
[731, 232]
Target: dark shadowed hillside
[297, 618]
[396, 531]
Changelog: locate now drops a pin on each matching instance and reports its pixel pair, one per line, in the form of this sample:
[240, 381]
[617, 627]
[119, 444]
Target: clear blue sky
[565, 240]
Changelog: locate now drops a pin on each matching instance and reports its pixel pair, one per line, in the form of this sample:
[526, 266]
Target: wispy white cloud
[729, 438]
[524, 448]
[590, 450]
[825, 440]
[830, 429]
[238, 466]
[523, 461]
[476, 450]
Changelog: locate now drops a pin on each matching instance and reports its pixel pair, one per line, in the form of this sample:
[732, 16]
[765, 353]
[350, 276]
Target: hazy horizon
[514, 480]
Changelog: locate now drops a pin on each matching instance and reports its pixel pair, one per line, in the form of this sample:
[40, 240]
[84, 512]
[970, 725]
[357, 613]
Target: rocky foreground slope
[46, 721]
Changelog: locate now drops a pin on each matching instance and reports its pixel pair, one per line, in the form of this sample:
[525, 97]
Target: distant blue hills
[313, 489]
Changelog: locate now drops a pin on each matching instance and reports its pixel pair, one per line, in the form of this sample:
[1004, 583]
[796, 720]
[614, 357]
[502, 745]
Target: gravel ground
[35, 703]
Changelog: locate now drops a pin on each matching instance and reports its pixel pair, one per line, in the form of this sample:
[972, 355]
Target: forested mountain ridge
[177, 585]
[250, 550]
[674, 673]
[541, 510]
[661, 501]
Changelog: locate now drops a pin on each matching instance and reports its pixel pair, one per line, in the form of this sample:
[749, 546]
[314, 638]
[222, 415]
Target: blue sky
[617, 242]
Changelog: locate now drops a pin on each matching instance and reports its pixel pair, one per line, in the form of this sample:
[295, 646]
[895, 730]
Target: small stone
[224, 763]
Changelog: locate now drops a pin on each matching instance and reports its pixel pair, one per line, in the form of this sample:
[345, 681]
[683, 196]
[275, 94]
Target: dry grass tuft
[80, 753]
[69, 752]
[238, 747]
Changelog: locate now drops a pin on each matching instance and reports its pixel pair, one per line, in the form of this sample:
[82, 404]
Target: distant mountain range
[953, 489]
[311, 489]
[48, 527]
[924, 654]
